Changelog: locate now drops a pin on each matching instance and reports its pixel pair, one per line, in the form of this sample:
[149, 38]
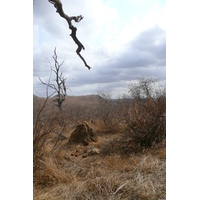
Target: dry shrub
[145, 120]
[47, 128]
[146, 123]
[44, 133]
[108, 112]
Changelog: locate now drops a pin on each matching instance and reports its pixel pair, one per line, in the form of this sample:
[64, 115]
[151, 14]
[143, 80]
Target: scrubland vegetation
[127, 162]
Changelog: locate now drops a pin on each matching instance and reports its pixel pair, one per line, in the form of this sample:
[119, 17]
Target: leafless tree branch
[59, 9]
[59, 87]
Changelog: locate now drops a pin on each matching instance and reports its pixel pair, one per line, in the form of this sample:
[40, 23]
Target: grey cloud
[146, 49]
[41, 8]
[48, 20]
[137, 60]
[146, 52]
[147, 40]
[144, 56]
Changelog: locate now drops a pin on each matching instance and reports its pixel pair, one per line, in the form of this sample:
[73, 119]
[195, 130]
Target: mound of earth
[83, 134]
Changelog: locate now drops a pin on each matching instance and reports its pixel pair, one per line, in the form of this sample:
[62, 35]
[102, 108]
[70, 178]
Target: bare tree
[59, 87]
[144, 87]
[59, 9]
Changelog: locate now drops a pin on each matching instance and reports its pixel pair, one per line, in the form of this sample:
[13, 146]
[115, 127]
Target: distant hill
[87, 99]
[73, 100]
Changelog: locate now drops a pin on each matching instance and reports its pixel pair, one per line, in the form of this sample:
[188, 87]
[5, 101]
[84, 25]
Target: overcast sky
[123, 40]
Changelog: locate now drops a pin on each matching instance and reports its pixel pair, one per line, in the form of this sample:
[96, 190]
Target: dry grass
[117, 172]
[140, 176]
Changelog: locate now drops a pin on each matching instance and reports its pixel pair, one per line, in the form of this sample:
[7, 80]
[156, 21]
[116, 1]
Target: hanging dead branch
[58, 5]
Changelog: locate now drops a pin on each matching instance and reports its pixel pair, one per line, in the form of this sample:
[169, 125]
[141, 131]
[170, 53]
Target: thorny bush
[145, 120]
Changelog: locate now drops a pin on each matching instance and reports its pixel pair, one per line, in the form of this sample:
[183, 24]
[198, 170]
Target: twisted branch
[58, 5]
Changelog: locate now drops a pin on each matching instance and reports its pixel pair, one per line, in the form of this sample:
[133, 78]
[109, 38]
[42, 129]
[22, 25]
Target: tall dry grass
[141, 176]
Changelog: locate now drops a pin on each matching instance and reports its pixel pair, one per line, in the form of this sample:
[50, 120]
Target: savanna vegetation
[126, 161]
[94, 147]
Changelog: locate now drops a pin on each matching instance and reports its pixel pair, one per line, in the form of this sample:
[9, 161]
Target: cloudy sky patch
[123, 40]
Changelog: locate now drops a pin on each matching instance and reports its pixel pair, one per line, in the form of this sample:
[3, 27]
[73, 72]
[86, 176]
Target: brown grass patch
[141, 176]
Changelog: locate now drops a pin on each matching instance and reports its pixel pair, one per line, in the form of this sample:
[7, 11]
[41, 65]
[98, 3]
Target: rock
[94, 151]
[83, 134]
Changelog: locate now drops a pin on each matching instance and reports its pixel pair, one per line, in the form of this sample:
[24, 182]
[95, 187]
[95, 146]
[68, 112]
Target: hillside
[73, 100]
